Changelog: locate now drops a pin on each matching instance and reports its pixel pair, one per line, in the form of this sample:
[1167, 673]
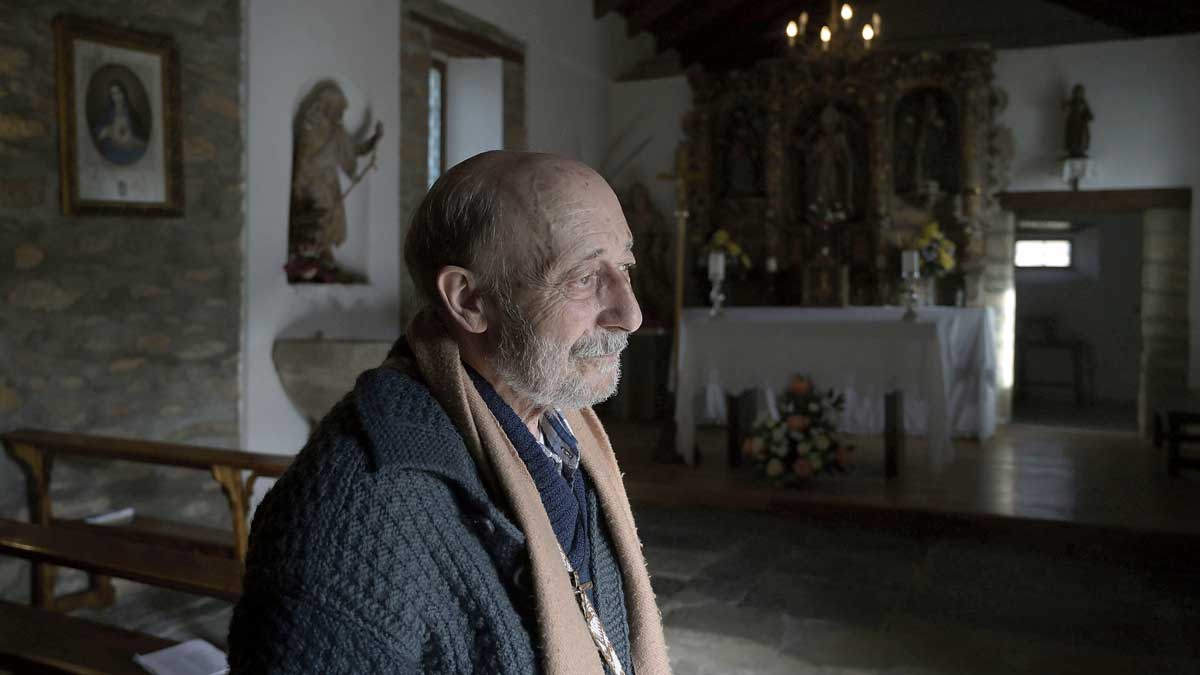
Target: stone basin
[316, 373]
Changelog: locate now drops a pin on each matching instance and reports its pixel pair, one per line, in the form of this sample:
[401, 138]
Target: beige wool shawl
[567, 646]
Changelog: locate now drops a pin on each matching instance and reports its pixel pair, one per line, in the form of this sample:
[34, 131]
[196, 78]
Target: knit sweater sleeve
[285, 634]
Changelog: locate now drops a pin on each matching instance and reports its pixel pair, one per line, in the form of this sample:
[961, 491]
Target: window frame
[440, 66]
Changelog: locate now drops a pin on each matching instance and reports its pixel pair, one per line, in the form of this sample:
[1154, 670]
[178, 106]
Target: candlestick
[716, 266]
[910, 271]
[910, 264]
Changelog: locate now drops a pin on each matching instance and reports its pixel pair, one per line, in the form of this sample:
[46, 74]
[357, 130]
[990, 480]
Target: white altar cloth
[944, 363]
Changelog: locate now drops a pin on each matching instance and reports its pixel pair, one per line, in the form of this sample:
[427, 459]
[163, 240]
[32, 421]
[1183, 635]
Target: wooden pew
[35, 641]
[35, 451]
[146, 563]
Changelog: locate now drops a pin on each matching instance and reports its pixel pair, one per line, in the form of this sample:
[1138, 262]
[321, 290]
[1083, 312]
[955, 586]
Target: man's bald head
[486, 211]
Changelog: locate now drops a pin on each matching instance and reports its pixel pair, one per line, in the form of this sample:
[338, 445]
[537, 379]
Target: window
[1043, 253]
[437, 118]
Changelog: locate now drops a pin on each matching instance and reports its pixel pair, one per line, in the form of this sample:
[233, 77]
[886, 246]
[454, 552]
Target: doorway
[1078, 280]
[1157, 309]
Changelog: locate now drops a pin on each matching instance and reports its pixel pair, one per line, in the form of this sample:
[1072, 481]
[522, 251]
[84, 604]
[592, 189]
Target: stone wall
[1165, 326]
[113, 325]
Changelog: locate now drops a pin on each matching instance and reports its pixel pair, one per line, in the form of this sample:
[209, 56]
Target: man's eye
[585, 280]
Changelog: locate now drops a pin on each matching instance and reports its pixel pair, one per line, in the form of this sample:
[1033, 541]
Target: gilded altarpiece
[825, 168]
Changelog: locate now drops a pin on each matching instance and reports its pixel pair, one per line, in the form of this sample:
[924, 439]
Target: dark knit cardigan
[380, 551]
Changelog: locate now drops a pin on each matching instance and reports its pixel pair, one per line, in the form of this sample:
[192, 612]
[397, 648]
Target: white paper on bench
[121, 516]
[194, 657]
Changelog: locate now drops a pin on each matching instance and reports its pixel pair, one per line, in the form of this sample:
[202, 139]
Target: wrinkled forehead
[553, 207]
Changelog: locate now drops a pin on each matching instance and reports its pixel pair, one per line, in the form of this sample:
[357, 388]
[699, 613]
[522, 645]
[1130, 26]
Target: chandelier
[837, 36]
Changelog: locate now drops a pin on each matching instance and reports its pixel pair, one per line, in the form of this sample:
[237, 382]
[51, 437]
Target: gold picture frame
[120, 148]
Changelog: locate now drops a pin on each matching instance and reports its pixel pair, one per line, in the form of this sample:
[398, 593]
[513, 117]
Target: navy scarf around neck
[565, 501]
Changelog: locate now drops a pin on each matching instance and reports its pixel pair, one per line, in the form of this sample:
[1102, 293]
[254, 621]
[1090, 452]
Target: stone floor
[758, 593]
[755, 593]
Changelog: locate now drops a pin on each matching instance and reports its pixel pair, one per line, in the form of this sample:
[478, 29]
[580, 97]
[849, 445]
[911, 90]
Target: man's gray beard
[541, 369]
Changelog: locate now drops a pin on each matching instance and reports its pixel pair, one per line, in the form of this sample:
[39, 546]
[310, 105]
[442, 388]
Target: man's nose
[621, 310]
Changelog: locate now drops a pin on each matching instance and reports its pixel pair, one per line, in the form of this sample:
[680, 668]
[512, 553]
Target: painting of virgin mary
[118, 114]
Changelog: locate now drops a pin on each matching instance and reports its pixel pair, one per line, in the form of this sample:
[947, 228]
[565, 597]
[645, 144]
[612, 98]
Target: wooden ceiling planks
[731, 33]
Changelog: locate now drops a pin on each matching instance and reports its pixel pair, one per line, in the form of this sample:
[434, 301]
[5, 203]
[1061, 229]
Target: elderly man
[461, 511]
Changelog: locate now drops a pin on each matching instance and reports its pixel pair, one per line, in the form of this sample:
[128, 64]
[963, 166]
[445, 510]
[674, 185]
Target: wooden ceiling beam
[714, 45]
[700, 17]
[645, 15]
[1137, 17]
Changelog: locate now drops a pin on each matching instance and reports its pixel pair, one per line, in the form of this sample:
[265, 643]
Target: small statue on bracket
[1079, 116]
[317, 220]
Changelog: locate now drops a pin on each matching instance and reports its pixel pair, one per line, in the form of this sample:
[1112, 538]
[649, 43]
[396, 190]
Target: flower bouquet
[722, 243]
[803, 441]
[936, 251]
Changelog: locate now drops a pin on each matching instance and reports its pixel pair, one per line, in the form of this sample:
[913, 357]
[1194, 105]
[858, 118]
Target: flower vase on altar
[934, 259]
[724, 254]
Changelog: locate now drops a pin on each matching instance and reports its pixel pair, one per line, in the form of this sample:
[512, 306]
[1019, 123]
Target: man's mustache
[601, 343]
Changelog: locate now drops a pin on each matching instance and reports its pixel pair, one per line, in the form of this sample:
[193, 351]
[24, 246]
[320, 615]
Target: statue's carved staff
[372, 164]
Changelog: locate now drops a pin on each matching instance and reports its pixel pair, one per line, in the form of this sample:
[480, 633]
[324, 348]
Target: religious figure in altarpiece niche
[926, 159]
[742, 156]
[829, 165]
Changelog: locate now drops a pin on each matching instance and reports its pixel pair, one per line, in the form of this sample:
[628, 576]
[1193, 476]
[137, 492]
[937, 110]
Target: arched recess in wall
[432, 31]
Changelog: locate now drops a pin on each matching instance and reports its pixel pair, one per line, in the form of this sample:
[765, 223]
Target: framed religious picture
[118, 119]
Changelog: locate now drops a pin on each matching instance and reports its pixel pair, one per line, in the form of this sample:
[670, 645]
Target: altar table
[944, 362]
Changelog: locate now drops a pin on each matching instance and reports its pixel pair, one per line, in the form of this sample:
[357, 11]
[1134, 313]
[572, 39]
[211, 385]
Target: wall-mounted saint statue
[322, 148]
[1079, 116]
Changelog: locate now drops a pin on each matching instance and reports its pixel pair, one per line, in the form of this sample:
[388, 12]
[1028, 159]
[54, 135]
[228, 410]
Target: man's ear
[461, 298]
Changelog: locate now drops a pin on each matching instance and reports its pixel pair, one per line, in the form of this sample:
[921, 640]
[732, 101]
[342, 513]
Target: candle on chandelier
[876, 23]
[791, 31]
[803, 23]
[868, 34]
[826, 36]
[847, 14]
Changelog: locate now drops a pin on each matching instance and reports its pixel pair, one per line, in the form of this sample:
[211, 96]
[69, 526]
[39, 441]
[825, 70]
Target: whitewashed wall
[290, 44]
[568, 68]
[1145, 97]
[474, 108]
[647, 110]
